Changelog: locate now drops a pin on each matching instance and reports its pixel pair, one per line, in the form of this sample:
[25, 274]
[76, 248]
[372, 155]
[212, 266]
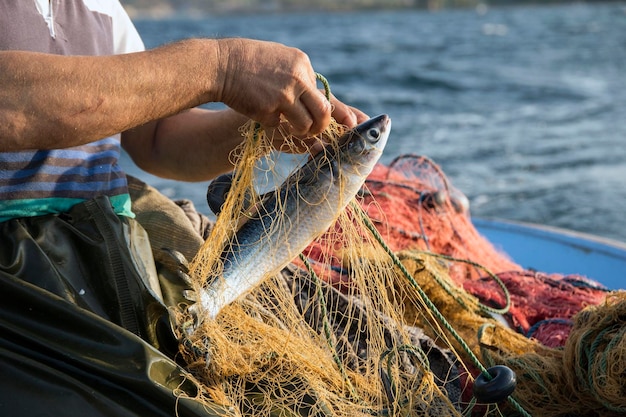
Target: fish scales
[305, 205]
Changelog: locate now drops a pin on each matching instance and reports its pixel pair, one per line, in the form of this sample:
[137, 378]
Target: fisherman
[82, 312]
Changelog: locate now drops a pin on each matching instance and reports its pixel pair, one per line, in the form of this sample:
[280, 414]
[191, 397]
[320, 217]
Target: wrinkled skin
[152, 97]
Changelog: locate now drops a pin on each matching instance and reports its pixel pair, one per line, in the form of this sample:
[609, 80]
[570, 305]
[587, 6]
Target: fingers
[314, 115]
[271, 83]
[305, 114]
[319, 112]
[308, 117]
[302, 126]
[347, 115]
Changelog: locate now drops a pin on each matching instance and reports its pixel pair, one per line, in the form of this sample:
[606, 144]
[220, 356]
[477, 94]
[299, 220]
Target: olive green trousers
[84, 322]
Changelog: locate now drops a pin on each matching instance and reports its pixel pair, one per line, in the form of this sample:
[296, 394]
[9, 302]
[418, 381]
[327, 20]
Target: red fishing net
[414, 207]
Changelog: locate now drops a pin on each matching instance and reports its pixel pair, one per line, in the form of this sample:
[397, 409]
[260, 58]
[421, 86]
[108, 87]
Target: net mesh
[346, 329]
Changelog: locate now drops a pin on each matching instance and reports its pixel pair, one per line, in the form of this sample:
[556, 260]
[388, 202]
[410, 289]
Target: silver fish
[290, 217]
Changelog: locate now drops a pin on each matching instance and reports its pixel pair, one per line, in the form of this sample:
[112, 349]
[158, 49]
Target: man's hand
[343, 114]
[272, 83]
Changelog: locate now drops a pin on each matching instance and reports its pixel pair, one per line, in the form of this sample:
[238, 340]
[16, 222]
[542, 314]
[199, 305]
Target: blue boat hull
[554, 250]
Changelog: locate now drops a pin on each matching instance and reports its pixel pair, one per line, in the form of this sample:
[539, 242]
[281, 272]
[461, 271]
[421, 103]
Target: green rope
[614, 335]
[329, 340]
[507, 296]
[431, 306]
[326, 325]
[390, 354]
[320, 295]
[325, 83]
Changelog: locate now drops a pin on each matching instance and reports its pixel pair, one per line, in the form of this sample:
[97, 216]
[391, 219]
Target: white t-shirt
[126, 38]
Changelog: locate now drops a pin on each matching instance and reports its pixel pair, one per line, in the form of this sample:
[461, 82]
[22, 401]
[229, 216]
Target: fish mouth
[383, 120]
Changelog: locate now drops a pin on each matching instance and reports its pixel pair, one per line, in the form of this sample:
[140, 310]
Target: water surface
[523, 107]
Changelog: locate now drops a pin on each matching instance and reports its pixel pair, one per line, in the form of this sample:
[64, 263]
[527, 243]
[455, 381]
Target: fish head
[364, 144]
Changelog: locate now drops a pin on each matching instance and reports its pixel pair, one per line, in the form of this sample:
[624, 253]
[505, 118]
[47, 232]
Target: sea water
[523, 107]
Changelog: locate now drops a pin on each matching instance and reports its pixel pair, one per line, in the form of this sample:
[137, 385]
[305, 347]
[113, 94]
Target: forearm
[195, 145]
[51, 101]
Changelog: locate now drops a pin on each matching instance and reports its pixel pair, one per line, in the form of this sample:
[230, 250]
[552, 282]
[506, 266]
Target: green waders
[84, 324]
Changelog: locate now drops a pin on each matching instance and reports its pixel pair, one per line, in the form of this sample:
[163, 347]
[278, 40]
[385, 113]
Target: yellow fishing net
[295, 345]
[398, 336]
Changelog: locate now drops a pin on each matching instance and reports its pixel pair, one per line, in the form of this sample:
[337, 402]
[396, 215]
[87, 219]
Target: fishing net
[395, 310]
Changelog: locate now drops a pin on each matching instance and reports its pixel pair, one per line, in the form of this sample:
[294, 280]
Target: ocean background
[523, 107]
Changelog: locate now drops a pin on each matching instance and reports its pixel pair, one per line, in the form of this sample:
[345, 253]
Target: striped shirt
[34, 183]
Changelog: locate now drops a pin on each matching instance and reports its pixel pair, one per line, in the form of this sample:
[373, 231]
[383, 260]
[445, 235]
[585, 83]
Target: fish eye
[374, 134]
